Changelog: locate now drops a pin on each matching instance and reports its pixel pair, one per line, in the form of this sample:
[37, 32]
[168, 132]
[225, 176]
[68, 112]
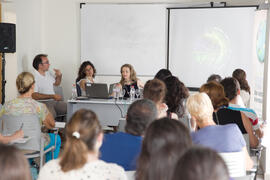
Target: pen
[21, 126]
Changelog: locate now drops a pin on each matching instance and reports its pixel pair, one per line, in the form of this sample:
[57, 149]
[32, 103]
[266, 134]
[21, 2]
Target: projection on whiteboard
[212, 48]
[260, 41]
[209, 41]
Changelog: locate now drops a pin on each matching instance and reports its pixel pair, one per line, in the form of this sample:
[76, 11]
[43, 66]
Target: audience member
[176, 96]
[155, 90]
[79, 159]
[199, 163]
[13, 165]
[24, 104]
[222, 138]
[249, 117]
[86, 74]
[240, 76]
[164, 142]
[214, 77]
[129, 79]
[124, 148]
[45, 82]
[162, 74]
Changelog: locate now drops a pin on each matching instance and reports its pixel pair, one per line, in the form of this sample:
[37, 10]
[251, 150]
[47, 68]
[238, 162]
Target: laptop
[97, 90]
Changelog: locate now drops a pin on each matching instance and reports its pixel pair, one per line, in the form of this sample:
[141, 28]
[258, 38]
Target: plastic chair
[235, 162]
[130, 175]
[31, 128]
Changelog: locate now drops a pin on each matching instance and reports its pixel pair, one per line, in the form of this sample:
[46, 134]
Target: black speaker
[7, 38]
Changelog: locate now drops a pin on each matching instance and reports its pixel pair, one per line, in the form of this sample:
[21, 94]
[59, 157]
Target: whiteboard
[116, 34]
[210, 41]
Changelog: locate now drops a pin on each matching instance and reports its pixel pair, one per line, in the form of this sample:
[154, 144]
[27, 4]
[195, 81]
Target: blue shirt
[122, 149]
[222, 138]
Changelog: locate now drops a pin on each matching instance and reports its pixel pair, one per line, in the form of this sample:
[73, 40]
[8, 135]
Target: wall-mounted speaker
[7, 38]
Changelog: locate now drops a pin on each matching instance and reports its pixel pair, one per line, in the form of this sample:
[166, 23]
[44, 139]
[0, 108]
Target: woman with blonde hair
[129, 79]
[79, 159]
[24, 104]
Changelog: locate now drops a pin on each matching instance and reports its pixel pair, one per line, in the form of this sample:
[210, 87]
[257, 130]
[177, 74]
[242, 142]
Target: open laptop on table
[97, 90]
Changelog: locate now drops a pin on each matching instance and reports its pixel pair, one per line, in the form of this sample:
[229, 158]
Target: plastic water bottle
[132, 93]
[73, 92]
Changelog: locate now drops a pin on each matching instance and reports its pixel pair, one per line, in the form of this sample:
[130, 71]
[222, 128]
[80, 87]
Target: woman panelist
[129, 79]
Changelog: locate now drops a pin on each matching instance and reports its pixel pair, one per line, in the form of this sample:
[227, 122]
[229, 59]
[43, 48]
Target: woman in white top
[86, 74]
[240, 75]
[79, 159]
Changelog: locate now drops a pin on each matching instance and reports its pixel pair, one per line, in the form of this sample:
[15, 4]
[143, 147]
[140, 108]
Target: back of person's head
[154, 90]
[24, 82]
[216, 93]
[231, 87]
[214, 77]
[200, 106]
[81, 72]
[164, 142]
[38, 60]
[81, 136]
[240, 75]
[200, 163]
[176, 95]
[139, 115]
[13, 164]
[162, 74]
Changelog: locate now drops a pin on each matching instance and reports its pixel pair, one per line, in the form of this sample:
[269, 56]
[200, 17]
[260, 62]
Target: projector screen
[116, 34]
[209, 41]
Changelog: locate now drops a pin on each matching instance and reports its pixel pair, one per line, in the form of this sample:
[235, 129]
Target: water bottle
[132, 93]
[73, 92]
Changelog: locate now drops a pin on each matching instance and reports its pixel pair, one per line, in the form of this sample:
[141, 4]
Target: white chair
[130, 175]
[235, 162]
[31, 128]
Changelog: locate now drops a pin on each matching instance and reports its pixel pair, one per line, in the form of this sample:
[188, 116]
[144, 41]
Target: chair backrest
[130, 175]
[31, 128]
[59, 90]
[235, 162]
[78, 88]
[246, 137]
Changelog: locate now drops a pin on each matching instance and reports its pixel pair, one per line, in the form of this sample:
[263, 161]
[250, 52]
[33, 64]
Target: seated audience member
[232, 91]
[240, 76]
[13, 164]
[45, 82]
[214, 77]
[164, 142]
[176, 96]
[6, 139]
[79, 159]
[199, 163]
[86, 74]
[124, 148]
[163, 74]
[24, 104]
[155, 90]
[129, 79]
[222, 138]
[224, 115]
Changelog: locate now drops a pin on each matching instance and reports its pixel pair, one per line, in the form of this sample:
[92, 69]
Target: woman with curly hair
[176, 96]
[86, 74]
[240, 76]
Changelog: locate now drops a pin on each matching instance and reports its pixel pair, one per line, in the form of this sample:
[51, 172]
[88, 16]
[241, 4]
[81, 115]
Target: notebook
[97, 90]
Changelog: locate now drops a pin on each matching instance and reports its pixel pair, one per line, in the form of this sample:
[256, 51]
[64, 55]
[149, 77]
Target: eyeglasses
[88, 69]
[46, 62]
